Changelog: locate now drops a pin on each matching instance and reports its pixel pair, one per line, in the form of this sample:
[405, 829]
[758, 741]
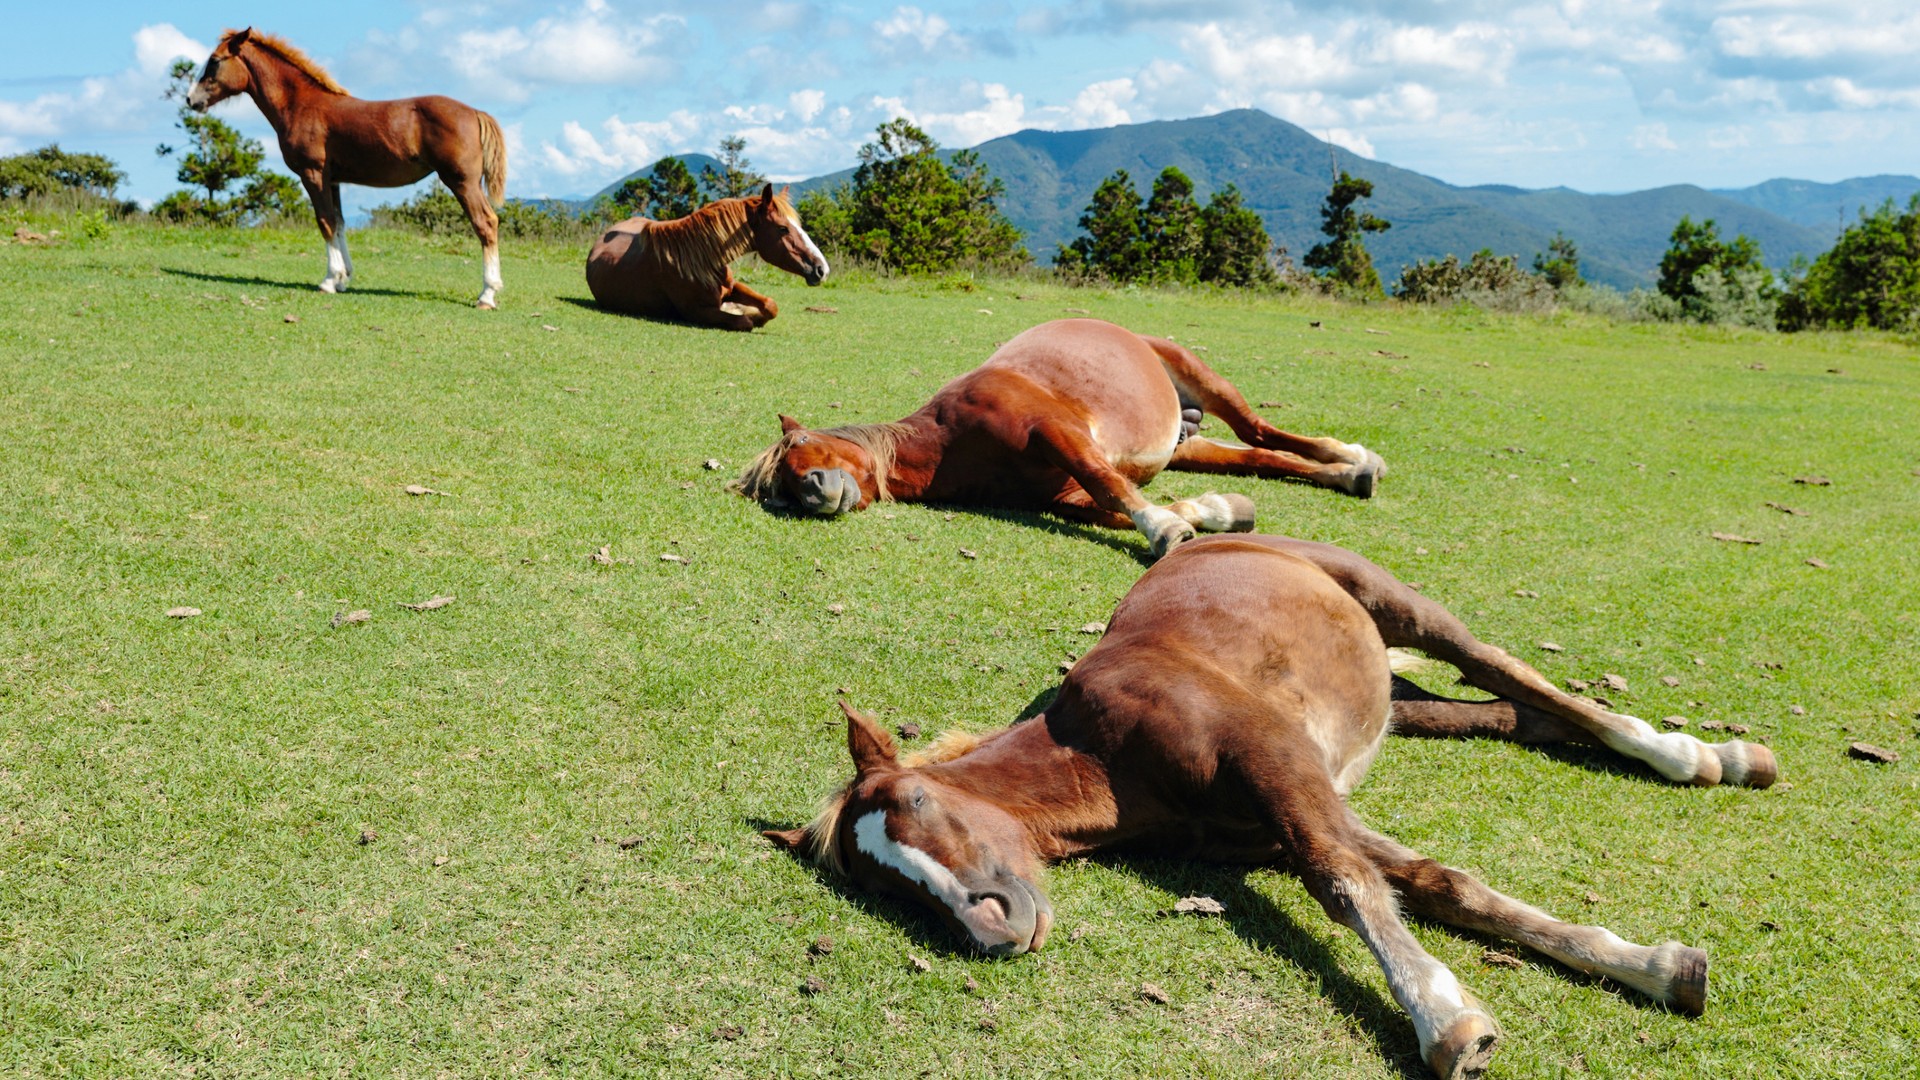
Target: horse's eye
[781, 230]
[919, 796]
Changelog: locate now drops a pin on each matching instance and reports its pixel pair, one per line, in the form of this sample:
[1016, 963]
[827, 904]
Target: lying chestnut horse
[1241, 691]
[329, 138]
[683, 269]
[1070, 417]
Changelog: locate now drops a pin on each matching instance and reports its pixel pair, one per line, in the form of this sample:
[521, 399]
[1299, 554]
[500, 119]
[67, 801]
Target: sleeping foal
[1241, 691]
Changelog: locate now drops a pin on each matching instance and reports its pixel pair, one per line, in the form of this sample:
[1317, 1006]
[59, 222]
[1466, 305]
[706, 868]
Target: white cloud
[1653, 137]
[1351, 140]
[626, 146]
[127, 101]
[806, 104]
[910, 32]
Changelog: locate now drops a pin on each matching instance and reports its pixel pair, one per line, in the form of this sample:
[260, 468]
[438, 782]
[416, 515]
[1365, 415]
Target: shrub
[1488, 281]
[1871, 277]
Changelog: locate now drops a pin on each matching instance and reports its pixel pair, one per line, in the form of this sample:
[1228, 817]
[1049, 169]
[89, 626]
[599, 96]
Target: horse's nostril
[814, 480]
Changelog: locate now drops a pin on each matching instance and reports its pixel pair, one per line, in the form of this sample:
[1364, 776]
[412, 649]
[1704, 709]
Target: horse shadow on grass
[295, 286]
[1252, 916]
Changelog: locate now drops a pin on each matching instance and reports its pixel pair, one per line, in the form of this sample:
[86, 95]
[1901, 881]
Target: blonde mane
[702, 245]
[280, 47]
[759, 481]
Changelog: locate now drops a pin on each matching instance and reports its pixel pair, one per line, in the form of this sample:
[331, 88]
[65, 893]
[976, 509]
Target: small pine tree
[1171, 229]
[735, 177]
[1112, 246]
[1235, 248]
[1560, 263]
[1870, 278]
[909, 210]
[667, 192]
[217, 158]
[1344, 255]
[1699, 269]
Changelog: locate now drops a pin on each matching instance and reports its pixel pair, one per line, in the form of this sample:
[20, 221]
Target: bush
[436, 212]
[1487, 281]
[51, 170]
[908, 210]
[1714, 280]
[1871, 277]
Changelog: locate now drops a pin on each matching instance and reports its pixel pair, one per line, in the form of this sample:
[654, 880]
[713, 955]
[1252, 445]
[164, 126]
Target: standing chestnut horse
[1070, 417]
[329, 138]
[1242, 689]
[684, 268]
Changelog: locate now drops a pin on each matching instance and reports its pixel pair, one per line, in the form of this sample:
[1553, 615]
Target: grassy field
[518, 834]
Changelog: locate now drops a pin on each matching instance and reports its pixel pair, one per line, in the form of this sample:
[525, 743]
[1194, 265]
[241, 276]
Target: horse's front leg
[1070, 446]
[747, 297]
[1295, 798]
[725, 315]
[323, 195]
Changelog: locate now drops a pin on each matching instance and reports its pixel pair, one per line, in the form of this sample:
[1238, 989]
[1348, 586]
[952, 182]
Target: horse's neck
[274, 85]
[1059, 793]
[916, 456]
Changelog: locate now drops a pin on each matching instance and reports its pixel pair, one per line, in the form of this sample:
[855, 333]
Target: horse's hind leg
[1201, 386]
[486, 226]
[1670, 973]
[1407, 619]
[324, 197]
[1204, 455]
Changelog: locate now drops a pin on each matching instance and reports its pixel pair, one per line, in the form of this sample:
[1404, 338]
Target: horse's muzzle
[1010, 919]
[816, 274]
[829, 492]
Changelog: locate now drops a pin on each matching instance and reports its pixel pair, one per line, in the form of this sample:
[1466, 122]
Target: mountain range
[1283, 172]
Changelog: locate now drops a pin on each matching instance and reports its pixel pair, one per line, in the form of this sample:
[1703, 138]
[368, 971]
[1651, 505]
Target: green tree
[909, 210]
[1112, 247]
[668, 191]
[735, 177]
[1343, 256]
[1172, 230]
[50, 169]
[1560, 263]
[1870, 278]
[1696, 249]
[217, 158]
[1234, 244]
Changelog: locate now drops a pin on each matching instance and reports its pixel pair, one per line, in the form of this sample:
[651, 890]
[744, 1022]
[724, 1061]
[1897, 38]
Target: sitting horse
[1070, 417]
[684, 268]
[329, 138]
[1242, 689]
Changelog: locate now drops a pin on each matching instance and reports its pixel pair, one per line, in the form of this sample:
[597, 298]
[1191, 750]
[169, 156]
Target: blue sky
[1595, 96]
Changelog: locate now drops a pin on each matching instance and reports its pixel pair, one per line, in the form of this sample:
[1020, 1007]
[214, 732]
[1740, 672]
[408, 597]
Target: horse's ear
[788, 425]
[870, 745]
[786, 839]
[239, 38]
[767, 194]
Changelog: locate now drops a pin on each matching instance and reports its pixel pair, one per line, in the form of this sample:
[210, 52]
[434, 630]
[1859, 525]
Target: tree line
[910, 208]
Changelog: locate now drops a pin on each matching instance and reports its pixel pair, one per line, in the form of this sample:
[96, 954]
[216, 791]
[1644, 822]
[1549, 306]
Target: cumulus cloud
[622, 146]
[910, 33]
[588, 45]
[129, 100]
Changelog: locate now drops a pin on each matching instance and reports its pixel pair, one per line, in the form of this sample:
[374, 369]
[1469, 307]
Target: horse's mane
[291, 53]
[758, 481]
[822, 831]
[704, 243]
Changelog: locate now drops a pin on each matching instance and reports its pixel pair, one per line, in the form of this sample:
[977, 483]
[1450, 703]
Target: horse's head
[819, 472]
[224, 76]
[905, 832]
[779, 239]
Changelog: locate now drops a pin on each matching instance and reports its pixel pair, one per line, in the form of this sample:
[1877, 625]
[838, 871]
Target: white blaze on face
[870, 836]
[813, 250]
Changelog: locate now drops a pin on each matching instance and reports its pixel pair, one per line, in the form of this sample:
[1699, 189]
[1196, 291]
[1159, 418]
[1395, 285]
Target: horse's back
[1110, 376]
[617, 271]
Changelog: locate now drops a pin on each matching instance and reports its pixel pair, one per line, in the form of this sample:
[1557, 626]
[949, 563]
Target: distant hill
[1827, 207]
[1284, 172]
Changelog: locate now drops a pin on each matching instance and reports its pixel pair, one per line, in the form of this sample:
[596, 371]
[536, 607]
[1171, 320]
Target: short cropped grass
[519, 834]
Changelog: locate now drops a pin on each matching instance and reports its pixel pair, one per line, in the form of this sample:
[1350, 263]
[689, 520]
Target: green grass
[182, 882]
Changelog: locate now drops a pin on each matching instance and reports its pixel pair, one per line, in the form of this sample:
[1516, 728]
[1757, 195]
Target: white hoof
[328, 285]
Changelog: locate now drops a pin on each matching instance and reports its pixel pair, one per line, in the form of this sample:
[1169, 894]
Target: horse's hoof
[1171, 537]
[1466, 1048]
[328, 286]
[1365, 476]
[1688, 991]
[1746, 763]
[1242, 511]
[485, 305]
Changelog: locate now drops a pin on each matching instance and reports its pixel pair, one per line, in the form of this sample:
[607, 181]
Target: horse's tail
[493, 159]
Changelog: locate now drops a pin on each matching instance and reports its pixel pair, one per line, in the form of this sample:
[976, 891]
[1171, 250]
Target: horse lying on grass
[683, 269]
[329, 138]
[1071, 417]
[1240, 692]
